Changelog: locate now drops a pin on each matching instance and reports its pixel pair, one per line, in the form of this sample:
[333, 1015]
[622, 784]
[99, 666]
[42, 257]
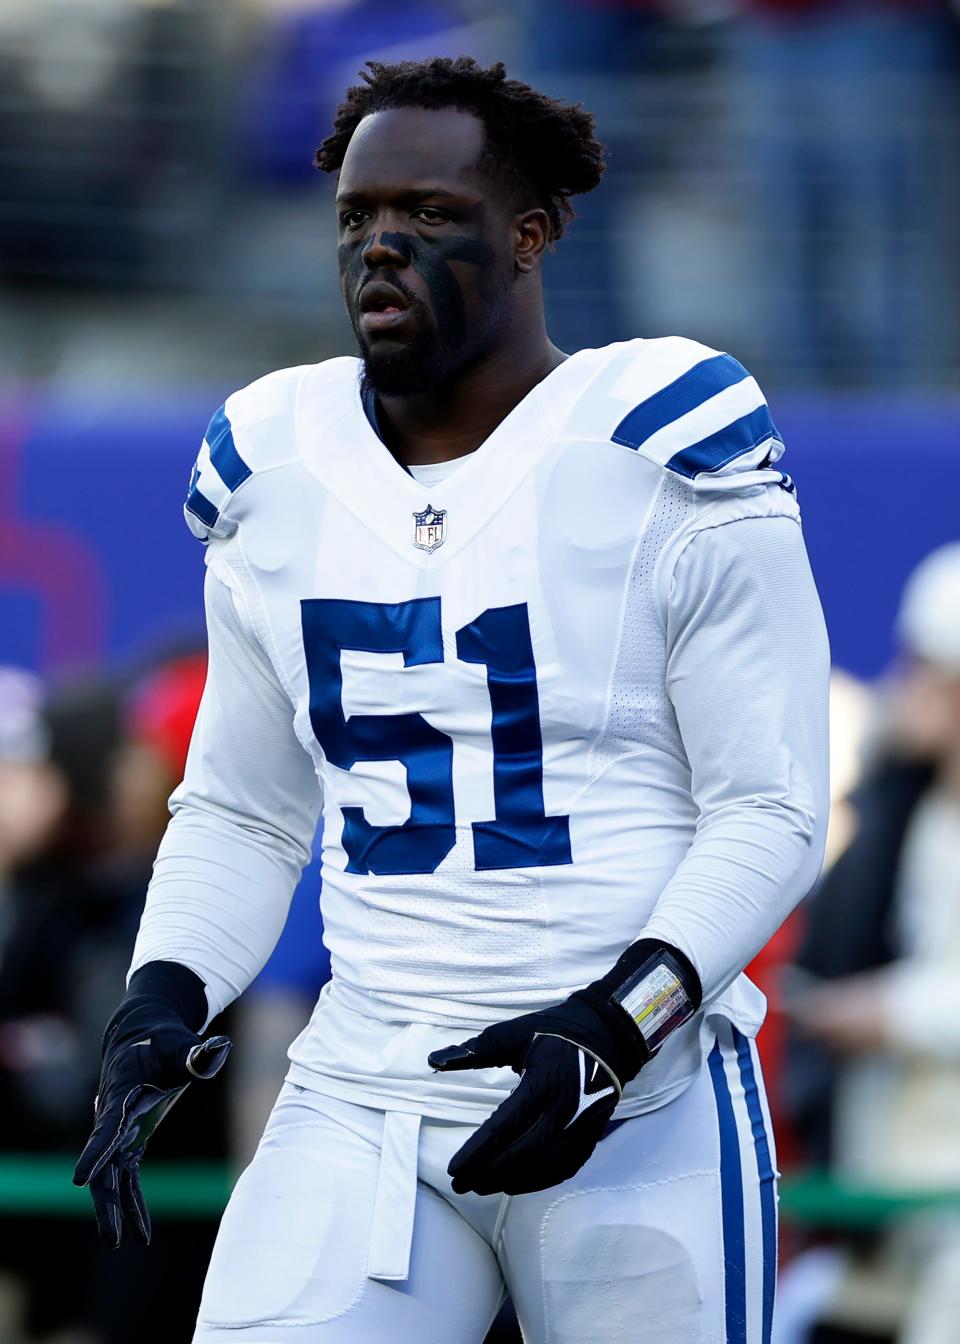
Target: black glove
[574, 1061]
[151, 1050]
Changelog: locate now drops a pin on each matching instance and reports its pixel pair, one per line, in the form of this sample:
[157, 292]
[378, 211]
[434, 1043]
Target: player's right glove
[151, 1050]
[574, 1061]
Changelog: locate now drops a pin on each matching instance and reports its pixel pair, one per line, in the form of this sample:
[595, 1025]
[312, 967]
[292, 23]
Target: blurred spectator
[33, 795]
[847, 111]
[108, 124]
[633, 63]
[309, 52]
[159, 716]
[783, 177]
[65, 932]
[67, 923]
[96, 766]
[876, 1077]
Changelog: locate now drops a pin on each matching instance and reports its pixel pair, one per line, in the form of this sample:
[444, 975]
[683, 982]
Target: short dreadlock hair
[537, 146]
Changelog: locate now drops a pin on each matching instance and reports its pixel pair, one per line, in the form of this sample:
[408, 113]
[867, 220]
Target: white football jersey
[571, 695]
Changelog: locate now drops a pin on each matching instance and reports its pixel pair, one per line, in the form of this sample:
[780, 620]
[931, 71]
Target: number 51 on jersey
[520, 835]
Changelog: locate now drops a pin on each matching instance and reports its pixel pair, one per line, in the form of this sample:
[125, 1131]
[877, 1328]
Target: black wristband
[171, 983]
[634, 958]
[656, 986]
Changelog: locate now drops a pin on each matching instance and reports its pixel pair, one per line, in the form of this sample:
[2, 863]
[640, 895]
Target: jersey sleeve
[252, 432]
[699, 414]
[747, 674]
[217, 474]
[243, 818]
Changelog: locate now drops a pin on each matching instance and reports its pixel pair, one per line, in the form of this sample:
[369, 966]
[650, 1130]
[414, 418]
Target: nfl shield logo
[429, 528]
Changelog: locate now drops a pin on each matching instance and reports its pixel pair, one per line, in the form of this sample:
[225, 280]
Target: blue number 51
[520, 835]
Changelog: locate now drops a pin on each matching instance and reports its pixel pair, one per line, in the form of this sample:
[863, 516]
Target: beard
[408, 370]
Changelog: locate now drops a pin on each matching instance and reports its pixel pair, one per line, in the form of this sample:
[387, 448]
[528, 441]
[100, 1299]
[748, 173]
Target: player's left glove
[574, 1061]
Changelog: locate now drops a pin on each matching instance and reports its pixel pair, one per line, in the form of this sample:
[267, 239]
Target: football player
[539, 634]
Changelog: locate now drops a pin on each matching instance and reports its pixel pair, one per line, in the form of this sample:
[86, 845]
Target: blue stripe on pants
[768, 1204]
[731, 1205]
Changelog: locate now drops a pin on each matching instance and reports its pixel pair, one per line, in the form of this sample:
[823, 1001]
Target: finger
[547, 1154]
[497, 1170]
[106, 1207]
[512, 1118]
[130, 1119]
[209, 1057]
[99, 1147]
[90, 1159]
[134, 1206]
[526, 1178]
[550, 1160]
[453, 1057]
[502, 1045]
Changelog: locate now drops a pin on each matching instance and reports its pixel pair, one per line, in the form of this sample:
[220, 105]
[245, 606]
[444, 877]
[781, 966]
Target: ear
[532, 237]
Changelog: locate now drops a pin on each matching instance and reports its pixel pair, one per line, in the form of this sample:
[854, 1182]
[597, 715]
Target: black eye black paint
[430, 259]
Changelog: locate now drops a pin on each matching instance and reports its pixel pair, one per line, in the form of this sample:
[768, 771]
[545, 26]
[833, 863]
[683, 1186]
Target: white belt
[392, 1232]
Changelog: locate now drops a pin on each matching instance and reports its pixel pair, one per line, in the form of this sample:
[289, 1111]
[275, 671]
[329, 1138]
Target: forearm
[217, 903]
[748, 867]
[748, 677]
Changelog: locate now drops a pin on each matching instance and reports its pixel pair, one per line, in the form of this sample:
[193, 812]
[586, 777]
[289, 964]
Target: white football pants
[344, 1229]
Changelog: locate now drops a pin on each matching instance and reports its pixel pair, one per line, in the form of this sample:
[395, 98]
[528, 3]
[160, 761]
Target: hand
[573, 1062]
[848, 1015]
[149, 1057]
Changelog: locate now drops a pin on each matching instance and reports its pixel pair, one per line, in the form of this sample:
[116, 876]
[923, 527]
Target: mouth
[382, 306]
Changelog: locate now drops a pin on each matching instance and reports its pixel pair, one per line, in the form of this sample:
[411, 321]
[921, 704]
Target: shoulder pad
[253, 431]
[694, 411]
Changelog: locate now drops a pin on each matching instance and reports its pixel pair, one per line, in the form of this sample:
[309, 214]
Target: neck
[950, 775]
[455, 418]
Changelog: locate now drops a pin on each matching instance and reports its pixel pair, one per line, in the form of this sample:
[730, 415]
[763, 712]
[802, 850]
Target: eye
[427, 214]
[352, 219]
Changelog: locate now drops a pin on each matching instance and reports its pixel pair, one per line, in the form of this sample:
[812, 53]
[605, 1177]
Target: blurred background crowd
[783, 181]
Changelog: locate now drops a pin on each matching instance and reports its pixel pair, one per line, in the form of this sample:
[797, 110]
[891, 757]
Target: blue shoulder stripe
[200, 506]
[224, 458]
[684, 394]
[721, 447]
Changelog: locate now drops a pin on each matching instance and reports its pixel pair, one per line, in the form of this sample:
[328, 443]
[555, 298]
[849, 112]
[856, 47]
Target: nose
[385, 248]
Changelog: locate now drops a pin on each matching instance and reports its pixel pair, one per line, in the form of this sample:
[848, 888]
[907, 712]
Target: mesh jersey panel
[639, 708]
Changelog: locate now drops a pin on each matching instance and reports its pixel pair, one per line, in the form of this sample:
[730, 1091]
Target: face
[427, 255]
[140, 784]
[927, 710]
[33, 800]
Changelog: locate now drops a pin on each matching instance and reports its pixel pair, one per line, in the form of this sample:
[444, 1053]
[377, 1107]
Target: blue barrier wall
[96, 562]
